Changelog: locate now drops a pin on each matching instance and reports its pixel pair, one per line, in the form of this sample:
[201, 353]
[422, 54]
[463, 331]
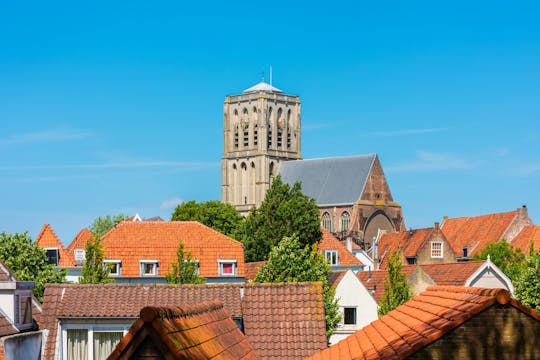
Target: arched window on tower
[289, 126]
[327, 221]
[245, 127]
[245, 185]
[255, 124]
[235, 129]
[236, 137]
[270, 123]
[271, 171]
[345, 221]
[279, 128]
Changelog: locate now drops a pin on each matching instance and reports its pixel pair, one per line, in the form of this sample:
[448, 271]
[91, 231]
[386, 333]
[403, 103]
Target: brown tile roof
[199, 332]
[47, 239]
[252, 268]
[529, 234]
[6, 326]
[418, 322]
[455, 274]
[345, 257]
[476, 232]
[254, 302]
[134, 241]
[284, 321]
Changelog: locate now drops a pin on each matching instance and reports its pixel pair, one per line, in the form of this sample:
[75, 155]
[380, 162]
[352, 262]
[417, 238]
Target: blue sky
[109, 107]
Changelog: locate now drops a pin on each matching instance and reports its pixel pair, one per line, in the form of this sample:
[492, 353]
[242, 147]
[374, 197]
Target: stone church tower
[261, 130]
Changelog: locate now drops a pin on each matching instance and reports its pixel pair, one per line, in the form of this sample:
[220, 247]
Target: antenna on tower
[262, 75]
[270, 75]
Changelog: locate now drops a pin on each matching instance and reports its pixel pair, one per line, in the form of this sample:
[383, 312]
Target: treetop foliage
[396, 288]
[184, 270]
[215, 214]
[102, 225]
[527, 283]
[94, 270]
[292, 261]
[29, 262]
[284, 212]
[506, 257]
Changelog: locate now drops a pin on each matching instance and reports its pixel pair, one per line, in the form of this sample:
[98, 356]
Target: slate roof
[284, 321]
[527, 235]
[199, 332]
[345, 257]
[47, 239]
[330, 181]
[419, 322]
[476, 232]
[273, 314]
[159, 240]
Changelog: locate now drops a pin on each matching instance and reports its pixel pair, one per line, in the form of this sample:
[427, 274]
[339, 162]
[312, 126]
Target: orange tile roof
[374, 282]
[199, 332]
[529, 234]
[345, 257]
[408, 241]
[419, 322]
[47, 239]
[278, 318]
[476, 232]
[455, 274]
[158, 240]
[252, 268]
[80, 240]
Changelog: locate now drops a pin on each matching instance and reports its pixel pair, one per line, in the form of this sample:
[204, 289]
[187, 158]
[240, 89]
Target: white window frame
[123, 328]
[145, 262]
[355, 315]
[328, 256]
[438, 243]
[221, 262]
[118, 266]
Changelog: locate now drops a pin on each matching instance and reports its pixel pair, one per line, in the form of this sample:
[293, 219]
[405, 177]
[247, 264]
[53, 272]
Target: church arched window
[279, 128]
[271, 171]
[245, 127]
[345, 221]
[255, 124]
[269, 122]
[289, 126]
[327, 221]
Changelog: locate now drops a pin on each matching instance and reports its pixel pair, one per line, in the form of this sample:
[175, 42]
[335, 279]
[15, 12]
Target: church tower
[261, 130]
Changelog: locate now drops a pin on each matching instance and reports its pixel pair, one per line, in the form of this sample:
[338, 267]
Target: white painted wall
[350, 292]
[364, 259]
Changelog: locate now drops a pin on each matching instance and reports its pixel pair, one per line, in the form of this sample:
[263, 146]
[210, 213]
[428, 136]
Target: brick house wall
[423, 256]
[500, 332]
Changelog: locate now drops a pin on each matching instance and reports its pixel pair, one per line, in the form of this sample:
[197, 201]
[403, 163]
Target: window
[331, 257]
[80, 256]
[227, 267]
[436, 249]
[349, 316]
[52, 256]
[327, 221]
[115, 267]
[465, 252]
[149, 267]
[22, 311]
[90, 343]
[345, 221]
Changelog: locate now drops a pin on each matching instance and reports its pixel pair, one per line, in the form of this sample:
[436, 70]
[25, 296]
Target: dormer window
[52, 256]
[149, 267]
[23, 311]
[227, 267]
[331, 257]
[465, 252]
[80, 256]
[436, 249]
[114, 267]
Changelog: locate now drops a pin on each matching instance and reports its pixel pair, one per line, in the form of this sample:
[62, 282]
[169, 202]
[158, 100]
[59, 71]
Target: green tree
[506, 257]
[527, 284]
[93, 270]
[185, 270]
[292, 261]
[215, 214]
[396, 288]
[102, 225]
[29, 262]
[285, 211]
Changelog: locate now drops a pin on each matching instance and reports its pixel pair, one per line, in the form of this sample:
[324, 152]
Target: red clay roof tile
[527, 236]
[47, 239]
[345, 257]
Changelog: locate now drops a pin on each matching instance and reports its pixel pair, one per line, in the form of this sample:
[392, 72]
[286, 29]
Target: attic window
[114, 266]
[149, 267]
[227, 267]
[52, 256]
[465, 252]
[331, 257]
[80, 256]
[349, 316]
[436, 249]
[23, 310]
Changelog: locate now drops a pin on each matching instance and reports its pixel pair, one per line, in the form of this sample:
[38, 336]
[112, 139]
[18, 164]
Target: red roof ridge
[149, 313]
[477, 216]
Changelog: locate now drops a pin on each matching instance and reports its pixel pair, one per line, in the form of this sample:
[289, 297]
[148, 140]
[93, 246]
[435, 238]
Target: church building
[262, 139]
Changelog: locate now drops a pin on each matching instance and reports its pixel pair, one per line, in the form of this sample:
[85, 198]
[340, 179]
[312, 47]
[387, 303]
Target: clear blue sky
[109, 107]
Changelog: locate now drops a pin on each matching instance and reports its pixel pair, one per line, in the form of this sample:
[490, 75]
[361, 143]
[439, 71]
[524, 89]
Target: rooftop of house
[335, 276]
[529, 235]
[200, 331]
[419, 322]
[277, 317]
[47, 238]
[330, 181]
[408, 241]
[476, 232]
[252, 268]
[6, 325]
[80, 240]
[345, 257]
[132, 242]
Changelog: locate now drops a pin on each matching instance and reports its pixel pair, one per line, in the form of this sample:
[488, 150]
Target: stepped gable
[47, 239]
[199, 332]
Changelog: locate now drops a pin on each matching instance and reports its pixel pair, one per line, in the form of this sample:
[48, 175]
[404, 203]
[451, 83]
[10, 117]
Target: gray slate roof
[330, 181]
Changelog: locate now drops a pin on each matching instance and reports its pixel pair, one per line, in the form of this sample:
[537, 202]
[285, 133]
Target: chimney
[436, 226]
[348, 243]
[522, 211]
